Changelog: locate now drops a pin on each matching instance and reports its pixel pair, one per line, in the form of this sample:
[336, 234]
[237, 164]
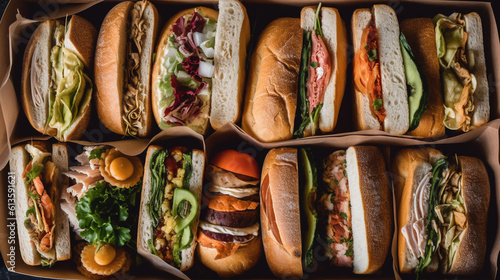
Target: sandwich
[297, 76]
[425, 101]
[169, 212]
[123, 62]
[380, 92]
[351, 239]
[55, 84]
[199, 70]
[102, 205]
[43, 230]
[460, 50]
[442, 212]
[228, 235]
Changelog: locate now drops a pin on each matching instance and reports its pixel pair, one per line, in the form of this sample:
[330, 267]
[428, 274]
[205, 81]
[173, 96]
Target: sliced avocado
[182, 196]
[418, 95]
[309, 186]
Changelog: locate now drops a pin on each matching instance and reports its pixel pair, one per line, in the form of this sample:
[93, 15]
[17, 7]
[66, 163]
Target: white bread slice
[19, 158]
[395, 98]
[335, 38]
[62, 236]
[195, 186]
[474, 29]
[37, 67]
[364, 117]
[371, 208]
[233, 35]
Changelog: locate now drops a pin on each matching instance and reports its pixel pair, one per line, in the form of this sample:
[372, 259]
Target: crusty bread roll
[334, 35]
[115, 42]
[393, 79]
[19, 159]
[242, 260]
[233, 35]
[36, 76]
[474, 29]
[371, 208]
[422, 41]
[160, 53]
[271, 93]
[280, 214]
[410, 168]
[195, 186]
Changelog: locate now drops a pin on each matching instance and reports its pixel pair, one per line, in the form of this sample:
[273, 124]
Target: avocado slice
[309, 186]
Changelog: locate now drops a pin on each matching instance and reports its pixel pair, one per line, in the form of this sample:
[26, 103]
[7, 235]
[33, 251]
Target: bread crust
[162, 42]
[83, 36]
[470, 254]
[242, 260]
[377, 205]
[271, 93]
[422, 41]
[280, 180]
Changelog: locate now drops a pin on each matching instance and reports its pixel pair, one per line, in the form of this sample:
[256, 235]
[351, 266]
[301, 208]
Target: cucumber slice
[418, 95]
[308, 198]
[186, 238]
[181, 197]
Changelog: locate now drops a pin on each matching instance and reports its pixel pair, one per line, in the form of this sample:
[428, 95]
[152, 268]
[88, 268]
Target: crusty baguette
[19, 159]
[280, 197]
[271, 93]
[371, 208]
[228, 84]
[195, 186]
[422, 41]
[334, 34]
[470, 254]
[110, 61]
[393, 79]
[81, 38]
[240, 261]
[160, 52]
[474, 29]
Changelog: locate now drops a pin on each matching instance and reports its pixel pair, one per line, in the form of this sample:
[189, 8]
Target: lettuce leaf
[106, 214]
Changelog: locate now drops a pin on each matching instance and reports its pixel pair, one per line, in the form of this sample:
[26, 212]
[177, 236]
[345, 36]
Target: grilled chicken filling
[134, 97]
[335, 203]
[41, 176]
[367, 77]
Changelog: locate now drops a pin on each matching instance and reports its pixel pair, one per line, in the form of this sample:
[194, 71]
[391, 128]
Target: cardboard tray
[14, 127]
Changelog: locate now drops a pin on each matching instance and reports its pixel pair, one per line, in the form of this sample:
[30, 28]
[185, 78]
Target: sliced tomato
[236, 162]
[38, 185]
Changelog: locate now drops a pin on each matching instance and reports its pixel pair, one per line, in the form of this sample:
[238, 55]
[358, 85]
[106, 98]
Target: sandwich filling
[134, 96]
[314, 77]
[104, 195]
[187, 66]
[336, 210]
[70, 87]
[40, 177]
[451, 216]
[367, 76]
[172, 206]
[456, 62]
[231, 219]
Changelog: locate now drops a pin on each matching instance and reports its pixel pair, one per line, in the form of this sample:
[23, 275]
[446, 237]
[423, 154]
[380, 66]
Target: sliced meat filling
[134, 95]
[335, 203]
[367, 77]
[320, 69]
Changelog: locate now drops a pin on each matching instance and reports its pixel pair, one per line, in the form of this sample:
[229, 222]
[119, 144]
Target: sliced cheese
[236, 192]
[254, 230]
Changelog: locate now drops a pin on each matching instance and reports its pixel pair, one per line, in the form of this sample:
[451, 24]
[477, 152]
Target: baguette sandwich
[297, 76]
[230, 243]
[380, 92]
[460, 48]
[368, 195]
[199, 70]
[56, 88]
[42, 227]
[442, 212]
[123, 62]
[169, 212]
